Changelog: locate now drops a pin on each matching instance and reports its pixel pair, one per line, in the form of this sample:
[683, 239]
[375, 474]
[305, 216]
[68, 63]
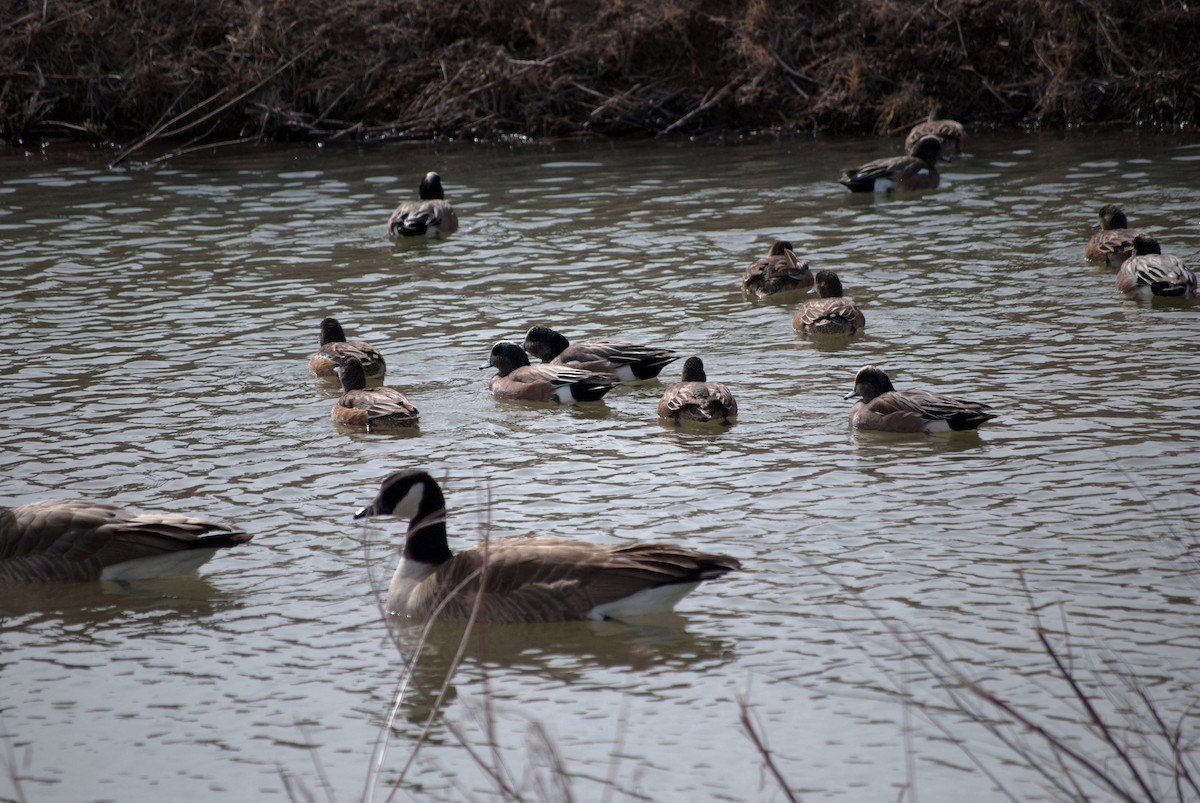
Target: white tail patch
[659, 599]
[166, 565]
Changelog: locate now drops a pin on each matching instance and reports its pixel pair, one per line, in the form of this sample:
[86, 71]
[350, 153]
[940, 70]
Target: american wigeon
[778, 272]
[830, 313]
[335, 348]
[948, 132]
[373, 408]
[694, 398]
[527, 580]
[1151, 272]
[916, 171]
[882, 408]
[59, 540]
[1113, 244]
[548, 382]
[431, 215]
[618, 360]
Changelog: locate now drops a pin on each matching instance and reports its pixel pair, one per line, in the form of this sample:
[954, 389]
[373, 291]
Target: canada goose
[378, 407]
[58, 540]
[947, 131]
[335, 348]
[916, 171]
[778, 272]
[527, 580]
[432, 215]
[1113, 244]
[1151, 272]
[694, 398]
[829, 313]
[517, 379]
[618, 360]
[883, 408]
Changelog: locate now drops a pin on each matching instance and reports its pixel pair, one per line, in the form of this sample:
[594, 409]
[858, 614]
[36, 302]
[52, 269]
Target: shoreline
[499, 69]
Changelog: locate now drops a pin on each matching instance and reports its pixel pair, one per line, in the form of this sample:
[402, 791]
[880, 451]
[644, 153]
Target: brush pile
[374, 69]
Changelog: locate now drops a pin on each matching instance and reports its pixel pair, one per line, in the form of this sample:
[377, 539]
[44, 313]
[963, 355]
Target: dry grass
[230, 69]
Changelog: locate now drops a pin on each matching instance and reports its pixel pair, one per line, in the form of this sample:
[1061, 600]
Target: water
[159, 327]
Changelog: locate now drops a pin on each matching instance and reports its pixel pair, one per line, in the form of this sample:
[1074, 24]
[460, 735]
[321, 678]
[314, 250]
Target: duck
[916, 171]
[618, 360]
[830, 313]
[517, 379]
[778, 272]
[375, 407]
[1113, 244]
[78, 540]
[882, 408]
[431, 215]
[1149, 271]
[334, 348]
[694, 398]
[527, 580]
[947, 131]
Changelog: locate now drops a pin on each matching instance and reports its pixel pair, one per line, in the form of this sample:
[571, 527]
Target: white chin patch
[410, 503]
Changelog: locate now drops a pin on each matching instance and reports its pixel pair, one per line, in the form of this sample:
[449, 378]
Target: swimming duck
[829, 313]
[527, 580]
[335, 348]
[694, 398]
[377, 407]
[1150, 271]
[619, 360]
[59, 540]
[916, 171]
[431, 215]
[884, 409]
[778, 272]
[517, 379]
[1113, 244]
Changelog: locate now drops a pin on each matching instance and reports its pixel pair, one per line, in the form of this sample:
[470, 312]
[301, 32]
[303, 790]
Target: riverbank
[369, 69]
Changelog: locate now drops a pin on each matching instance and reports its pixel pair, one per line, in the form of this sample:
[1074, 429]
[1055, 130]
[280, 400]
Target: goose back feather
[59, 540]
[527, 580]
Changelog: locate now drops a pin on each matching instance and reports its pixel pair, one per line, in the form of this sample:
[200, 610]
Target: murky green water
[159, 323]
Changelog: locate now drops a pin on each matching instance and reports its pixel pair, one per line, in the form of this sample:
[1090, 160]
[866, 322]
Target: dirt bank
[211, 70]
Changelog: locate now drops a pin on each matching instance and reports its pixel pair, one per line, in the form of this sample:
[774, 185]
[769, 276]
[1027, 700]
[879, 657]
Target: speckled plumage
[618, 360]
[694, 398]
[516, 379]
[776, 273]
[830, 313]
[915, 171]
[882, 408]
[373, 408]
[430, 215]
[335, 348]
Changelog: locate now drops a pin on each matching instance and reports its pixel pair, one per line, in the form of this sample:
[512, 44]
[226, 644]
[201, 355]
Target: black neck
[693, 370]
[353, 375]
[426, 539]
[331, 332]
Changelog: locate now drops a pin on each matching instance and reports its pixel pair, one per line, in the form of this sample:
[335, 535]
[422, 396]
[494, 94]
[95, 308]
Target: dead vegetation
[232, 69]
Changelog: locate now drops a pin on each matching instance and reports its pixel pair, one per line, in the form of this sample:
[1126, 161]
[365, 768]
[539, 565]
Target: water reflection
[565, 652]
[112, 606]
[160, 327]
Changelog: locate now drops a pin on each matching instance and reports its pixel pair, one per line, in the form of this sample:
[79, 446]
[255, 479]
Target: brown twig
[161, 131]
[760, 744]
